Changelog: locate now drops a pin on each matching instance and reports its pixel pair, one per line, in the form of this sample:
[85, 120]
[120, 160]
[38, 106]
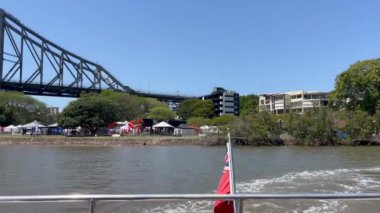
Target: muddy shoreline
[155, 140]
[101, 141]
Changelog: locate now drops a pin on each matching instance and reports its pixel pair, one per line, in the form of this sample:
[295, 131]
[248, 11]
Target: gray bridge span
[32, 64]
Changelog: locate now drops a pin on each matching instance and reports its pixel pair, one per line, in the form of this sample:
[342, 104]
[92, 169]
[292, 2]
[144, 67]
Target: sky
[191, 46]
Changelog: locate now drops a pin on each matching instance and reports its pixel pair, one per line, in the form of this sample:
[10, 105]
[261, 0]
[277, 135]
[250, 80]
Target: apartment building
[296, 101]
[226, 102]
[53, 110]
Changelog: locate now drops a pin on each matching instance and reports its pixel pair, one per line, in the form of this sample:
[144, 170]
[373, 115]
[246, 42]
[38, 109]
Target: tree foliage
[90, 112]
[259, 128]
[223, 120]
[6, 116]
[249, 104]
[199, 121]
[98, 110]
[17, 108]
[358, 87]
[196, 108]
[128, 107]
[161, 113]
[359, 125]
[203, 108]
[314, 127]
[185, 108]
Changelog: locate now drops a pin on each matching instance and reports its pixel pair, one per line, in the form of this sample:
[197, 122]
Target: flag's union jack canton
[224, 206]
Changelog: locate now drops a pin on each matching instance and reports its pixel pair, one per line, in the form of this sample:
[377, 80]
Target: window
[280, 97]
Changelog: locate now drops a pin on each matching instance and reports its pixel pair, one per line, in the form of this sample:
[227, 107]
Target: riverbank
[155, 140]
[101, 141]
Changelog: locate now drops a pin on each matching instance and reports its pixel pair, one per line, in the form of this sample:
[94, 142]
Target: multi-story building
[297, 101]
[226, 102]
[53, 111]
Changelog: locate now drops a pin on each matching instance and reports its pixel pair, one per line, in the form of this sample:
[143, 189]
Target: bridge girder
[31, 64]
[48, 65]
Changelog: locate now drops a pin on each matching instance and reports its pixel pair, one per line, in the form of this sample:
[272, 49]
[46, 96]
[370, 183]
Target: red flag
[224, 206]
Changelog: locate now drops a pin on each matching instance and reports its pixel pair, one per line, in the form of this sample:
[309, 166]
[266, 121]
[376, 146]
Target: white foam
[325, 181]
[294, 180]
[188, 206]
[327, 206]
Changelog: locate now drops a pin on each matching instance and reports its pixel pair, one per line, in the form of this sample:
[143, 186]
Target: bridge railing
[171, 94]
[240, 198]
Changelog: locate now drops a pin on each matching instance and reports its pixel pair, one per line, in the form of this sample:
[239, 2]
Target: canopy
[163, 125]
[10, 128]
[32, 125]
[125, 129]
[53, 125]
[122, 122]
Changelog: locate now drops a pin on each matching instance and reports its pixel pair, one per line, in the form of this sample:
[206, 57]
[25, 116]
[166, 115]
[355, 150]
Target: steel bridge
[32, 64]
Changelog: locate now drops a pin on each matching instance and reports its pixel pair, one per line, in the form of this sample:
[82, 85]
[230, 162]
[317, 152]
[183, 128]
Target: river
[43, 170]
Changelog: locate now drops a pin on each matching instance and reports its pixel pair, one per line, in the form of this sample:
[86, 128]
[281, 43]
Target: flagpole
[232, 176]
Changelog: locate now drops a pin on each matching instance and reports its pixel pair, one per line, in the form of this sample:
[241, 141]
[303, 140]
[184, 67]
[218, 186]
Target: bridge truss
[32, 64]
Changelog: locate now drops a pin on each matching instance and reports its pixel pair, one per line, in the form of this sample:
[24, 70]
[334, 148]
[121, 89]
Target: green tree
[161, 113]
[359, 125]
[259, 128]
[314, 127]
[6, 116]
[150, 103]
[358, 87]
[128, 107]
[92, 112]
[249, 104]
[203, 108]
[223, 120]
[185, 108]
[199, 121]
[22, 108]
[196, 108]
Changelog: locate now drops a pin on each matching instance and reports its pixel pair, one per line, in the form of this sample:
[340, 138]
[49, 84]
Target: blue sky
[191, 46]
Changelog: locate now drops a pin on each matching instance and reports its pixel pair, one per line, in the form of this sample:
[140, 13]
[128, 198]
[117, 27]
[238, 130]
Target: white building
[296, 101]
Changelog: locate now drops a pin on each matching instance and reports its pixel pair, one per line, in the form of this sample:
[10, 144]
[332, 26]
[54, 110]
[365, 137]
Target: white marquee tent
[32, 125]
[10, 128]
[163, 125]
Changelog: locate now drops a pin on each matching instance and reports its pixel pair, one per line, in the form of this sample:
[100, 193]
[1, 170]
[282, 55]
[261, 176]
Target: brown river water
[42, 170]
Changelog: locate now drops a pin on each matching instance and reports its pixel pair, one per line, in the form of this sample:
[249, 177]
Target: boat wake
[360, 180]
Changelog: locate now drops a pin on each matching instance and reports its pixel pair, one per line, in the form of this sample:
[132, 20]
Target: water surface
[41, 170]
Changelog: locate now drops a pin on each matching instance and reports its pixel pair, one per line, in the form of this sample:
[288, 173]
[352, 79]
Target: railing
[92, 199]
